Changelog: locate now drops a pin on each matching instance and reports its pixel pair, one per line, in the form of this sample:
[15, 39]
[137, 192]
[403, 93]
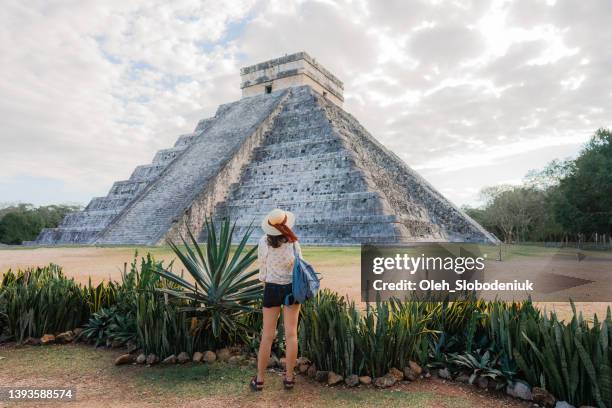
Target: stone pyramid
[288, 144]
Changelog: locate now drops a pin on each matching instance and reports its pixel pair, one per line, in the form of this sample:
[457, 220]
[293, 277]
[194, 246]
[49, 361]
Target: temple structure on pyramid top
[287, 143]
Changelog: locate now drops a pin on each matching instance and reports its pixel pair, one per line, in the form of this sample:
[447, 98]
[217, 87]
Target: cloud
[446, 45]
[89, 90]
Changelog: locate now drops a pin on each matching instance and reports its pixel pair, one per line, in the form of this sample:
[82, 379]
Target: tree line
[23, 222]
[568, 200]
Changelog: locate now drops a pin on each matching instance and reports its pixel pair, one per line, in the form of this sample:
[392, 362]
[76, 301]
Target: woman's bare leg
[290, 320]
[270, 316]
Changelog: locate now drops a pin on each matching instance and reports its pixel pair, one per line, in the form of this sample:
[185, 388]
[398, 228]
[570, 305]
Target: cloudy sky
[469, 93]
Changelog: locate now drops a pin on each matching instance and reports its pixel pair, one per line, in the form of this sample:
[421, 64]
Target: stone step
[314, 217]
[293, 135]
[300, 121]
[165, 156]
[87, 220]
[293, 144]
[204, 124]
[301, 105]
[297, 150]
[147, 172]
[186, 139]
[332, 160]
[290, 179]
[56, 236]
[148, 219]
[126, 188]
[313, 187]
[362, 203]
[333, 233]
[106, 203]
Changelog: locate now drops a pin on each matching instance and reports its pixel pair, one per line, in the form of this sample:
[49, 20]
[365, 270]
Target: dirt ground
[340, 268]
[98, 383]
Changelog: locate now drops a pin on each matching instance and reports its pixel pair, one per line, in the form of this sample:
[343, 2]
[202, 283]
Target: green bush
[42, 300]
[162, 328]
[24, 222]
[97, 328]
[479, 364]
[4, 322]
[337, 337]
[166, 314]
[328, 331]
[391, 334]
[133, 310]
[223, 288]
[16, 227]
[572, 360]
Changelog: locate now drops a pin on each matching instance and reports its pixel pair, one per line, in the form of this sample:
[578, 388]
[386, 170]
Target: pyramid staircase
[291, 149]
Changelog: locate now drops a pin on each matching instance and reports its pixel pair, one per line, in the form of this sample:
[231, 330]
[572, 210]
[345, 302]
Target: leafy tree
[584, 200]
[517, 213]
[567, 197]
[23, 222]
[16, 227]
[550, 176]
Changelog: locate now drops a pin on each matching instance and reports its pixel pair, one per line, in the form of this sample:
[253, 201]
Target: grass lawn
[99, 383]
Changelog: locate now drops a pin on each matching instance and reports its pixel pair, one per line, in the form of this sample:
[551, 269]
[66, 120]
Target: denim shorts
[275, 295]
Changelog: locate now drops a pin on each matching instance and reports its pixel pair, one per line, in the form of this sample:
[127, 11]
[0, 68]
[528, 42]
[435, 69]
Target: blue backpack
[305, 280]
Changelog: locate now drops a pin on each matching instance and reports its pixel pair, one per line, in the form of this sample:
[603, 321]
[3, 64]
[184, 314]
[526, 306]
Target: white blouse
[276, 264]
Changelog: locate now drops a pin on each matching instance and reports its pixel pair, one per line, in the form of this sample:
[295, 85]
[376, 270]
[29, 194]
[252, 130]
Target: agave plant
[96, 329]
[223, 288]
[480, 364]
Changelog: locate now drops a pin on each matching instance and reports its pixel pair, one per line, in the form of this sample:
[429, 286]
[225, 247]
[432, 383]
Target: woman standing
[276, 258]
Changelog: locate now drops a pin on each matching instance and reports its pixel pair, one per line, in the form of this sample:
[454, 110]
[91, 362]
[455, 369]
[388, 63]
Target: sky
[468, 93]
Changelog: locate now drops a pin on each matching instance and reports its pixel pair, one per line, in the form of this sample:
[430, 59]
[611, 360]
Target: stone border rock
[236, 355]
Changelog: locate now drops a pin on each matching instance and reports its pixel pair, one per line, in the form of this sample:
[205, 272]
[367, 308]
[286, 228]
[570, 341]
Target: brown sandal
[256, 385]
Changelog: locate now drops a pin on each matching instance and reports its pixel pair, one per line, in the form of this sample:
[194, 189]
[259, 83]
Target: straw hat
[276, 217]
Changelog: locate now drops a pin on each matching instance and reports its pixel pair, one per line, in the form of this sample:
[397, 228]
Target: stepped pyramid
[288, 144]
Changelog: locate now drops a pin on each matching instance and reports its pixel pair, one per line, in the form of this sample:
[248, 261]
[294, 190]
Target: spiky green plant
[479, 364]
[573, 359]
[391, 333]
[456, 327]
[162, 328]
[506, 325]
[42, 300]
[96, 329]
[145, 314]
[328, 330]
[4, 320]
[223, 288]
[337, 337]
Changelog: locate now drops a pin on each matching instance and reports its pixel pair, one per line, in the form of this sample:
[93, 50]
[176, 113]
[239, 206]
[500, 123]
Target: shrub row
[503, 342]
[163, 313]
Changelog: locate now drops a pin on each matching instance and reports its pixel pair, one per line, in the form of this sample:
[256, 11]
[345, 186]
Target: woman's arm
[262, 253]
[298, 248]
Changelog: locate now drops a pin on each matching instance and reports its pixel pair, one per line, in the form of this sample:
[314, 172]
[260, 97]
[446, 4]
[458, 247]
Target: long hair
[275, 241]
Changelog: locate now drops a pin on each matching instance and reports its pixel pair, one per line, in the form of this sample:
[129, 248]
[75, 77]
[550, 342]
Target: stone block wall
[290, 71]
